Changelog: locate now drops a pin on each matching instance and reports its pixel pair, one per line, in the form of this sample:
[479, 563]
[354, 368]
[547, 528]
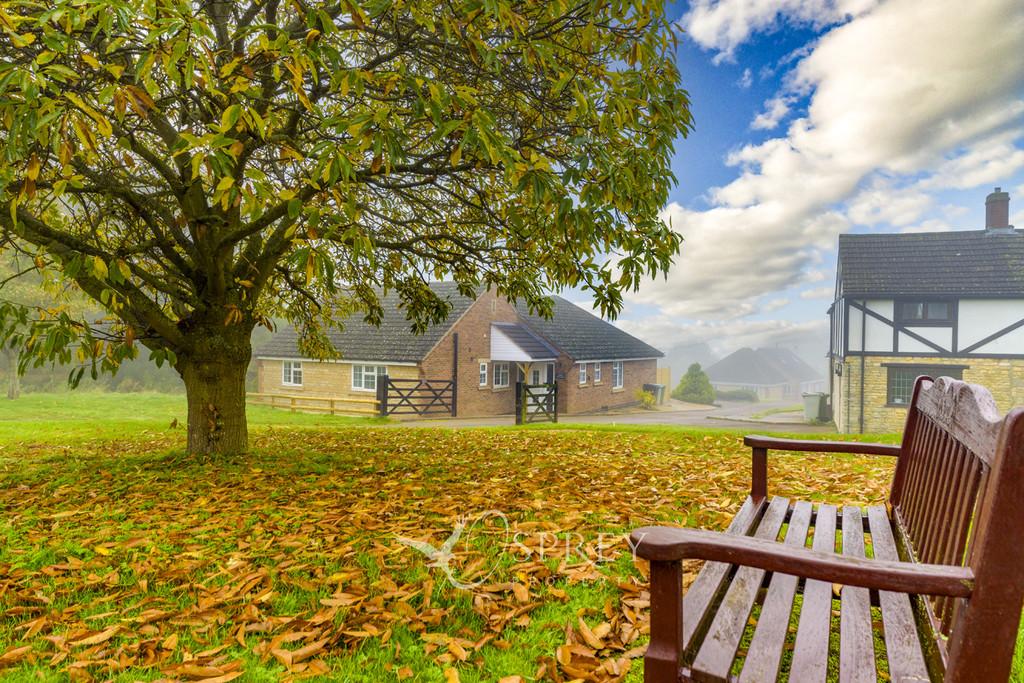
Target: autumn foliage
[121, 559]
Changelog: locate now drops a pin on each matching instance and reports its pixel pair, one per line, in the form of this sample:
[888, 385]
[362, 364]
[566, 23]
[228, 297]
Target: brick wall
[1004, 377]
[591, 397]
[474, 330]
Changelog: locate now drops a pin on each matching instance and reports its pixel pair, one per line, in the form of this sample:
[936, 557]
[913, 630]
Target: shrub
[736, 395]
[645, 398]
[694, 387]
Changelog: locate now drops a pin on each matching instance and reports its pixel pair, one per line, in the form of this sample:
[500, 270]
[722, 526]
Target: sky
[819, 117]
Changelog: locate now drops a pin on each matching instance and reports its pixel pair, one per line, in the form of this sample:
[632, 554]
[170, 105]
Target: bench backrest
[958, 498]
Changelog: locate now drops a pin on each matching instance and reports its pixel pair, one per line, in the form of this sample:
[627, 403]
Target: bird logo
[441, 558]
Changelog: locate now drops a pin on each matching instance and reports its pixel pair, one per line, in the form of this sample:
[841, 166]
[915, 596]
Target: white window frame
[499, 369]
[483, 373]
[289, 369]
[618, 374]
[583, 374]
[597, 373]
[375, 371]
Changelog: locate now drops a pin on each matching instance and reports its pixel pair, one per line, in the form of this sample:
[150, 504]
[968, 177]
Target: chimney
[997, 210]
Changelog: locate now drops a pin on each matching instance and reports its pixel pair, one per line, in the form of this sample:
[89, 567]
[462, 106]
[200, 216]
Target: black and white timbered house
[940, 303]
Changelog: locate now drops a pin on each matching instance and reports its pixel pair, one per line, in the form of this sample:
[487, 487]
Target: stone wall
[1004, 377]
[327, 379]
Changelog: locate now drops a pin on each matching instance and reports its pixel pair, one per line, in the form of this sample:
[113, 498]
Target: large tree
[201, 167]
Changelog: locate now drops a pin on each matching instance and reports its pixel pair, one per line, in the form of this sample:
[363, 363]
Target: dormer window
[924, 311]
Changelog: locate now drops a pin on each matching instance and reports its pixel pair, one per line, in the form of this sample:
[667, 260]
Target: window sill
[616, 390]
[897, 405]
[501, 388]
[364, 391]
[291, 386]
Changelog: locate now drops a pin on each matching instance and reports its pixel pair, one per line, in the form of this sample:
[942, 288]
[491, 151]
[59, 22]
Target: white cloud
[892, 93]
[881, 203]
[775, 304]
[724, 25]
[818, 293]
[775, 110]
[986, 162]
[746, 80]
[930, 225]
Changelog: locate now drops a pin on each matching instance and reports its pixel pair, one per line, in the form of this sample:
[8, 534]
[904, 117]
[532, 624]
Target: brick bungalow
[486, 345]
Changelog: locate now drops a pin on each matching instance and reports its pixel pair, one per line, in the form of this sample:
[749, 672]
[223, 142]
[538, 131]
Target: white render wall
[977, 319]
[983, 317]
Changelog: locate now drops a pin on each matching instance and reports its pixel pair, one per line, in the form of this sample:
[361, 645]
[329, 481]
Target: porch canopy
[516, 343]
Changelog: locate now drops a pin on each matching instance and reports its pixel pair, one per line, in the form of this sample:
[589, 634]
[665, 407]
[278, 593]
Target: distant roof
[762, 367]
[392, 341]
[967, 263]
[583, 336]
[574, 331]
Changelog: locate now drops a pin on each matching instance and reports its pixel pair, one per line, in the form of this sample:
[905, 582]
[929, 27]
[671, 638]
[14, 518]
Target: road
[675, 414]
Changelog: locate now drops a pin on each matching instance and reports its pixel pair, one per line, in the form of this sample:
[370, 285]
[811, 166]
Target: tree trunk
[214, 377]
[13, 378]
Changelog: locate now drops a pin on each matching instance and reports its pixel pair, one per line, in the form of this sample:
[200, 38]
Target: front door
[542, 374]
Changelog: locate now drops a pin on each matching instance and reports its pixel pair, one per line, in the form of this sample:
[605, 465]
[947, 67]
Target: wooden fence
[334, 405]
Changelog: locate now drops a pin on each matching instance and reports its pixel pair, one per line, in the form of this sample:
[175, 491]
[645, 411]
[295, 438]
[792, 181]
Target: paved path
[675, 414]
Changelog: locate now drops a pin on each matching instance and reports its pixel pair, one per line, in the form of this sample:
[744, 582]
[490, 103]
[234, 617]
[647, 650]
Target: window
[483, 374]
[583, 373]
[617, 374]
[901, 379]
[597, 373]
[500, 375]
[291, 373]
[364, 377]
[924, 311]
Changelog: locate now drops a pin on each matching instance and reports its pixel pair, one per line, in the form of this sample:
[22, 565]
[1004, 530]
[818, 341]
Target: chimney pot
[997, 210]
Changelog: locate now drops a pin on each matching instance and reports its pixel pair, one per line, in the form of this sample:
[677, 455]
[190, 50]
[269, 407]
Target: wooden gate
[415, 396]
[536, 403]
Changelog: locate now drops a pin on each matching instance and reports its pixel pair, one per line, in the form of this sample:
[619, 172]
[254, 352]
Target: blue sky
[818, 117]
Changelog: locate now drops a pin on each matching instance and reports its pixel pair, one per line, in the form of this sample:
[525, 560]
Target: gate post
[519, 403]
[382, 395]
[554, 402]
[455, 375]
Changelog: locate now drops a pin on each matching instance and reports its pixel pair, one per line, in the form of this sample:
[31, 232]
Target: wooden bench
[943, 562]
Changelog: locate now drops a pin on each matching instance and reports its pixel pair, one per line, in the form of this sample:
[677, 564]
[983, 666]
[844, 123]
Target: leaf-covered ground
[126, 560]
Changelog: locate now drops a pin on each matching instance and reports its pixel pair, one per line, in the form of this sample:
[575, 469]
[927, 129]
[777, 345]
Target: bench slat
[705, 587]
[765, 652]
[810, 652]
[902, 645]
[856, 643]
[718, 649]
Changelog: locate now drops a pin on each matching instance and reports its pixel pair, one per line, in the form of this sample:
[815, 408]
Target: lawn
[123, 559]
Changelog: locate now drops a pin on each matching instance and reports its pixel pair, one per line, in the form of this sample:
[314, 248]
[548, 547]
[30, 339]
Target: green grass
[67, 417]
[83, 476]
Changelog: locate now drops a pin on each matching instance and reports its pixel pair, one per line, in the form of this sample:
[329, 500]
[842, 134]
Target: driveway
[729, 415]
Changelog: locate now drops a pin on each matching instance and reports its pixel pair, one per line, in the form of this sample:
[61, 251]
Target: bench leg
[663, 660]
[759, 474]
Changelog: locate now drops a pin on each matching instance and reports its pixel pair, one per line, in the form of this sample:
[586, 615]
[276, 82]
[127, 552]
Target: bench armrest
[761, 444]
[770, 442]
[670, 544]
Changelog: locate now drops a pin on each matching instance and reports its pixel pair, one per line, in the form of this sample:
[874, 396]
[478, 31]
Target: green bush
[645, 398]
[694, 387]
[736, 395]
